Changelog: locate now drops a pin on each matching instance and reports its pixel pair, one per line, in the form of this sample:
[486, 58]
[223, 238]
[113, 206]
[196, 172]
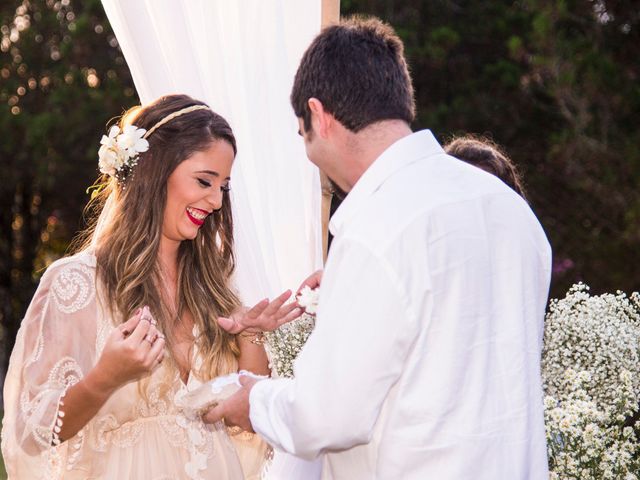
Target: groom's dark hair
[358, 71]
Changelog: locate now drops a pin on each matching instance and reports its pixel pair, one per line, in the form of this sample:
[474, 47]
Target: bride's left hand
[265, 316]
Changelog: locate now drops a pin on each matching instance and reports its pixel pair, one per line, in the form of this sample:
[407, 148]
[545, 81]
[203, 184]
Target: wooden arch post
[330, 14]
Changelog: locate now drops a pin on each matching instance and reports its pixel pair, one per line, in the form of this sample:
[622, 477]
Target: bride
[119, 332]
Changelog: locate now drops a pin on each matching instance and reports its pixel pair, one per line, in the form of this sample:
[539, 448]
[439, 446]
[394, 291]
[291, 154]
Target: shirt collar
[401, 153]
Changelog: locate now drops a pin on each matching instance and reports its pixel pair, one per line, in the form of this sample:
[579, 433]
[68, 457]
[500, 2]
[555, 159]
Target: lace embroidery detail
[75, 449]
[65, 373]
[52, 456]
[53, 459]
[180, 431]
[104, 428]
[127, 435]
[102, 334]
[199, 448]
[42, 435]
[162, 409]
[57, 424]
[73, 288]
[39, 349]
[187, 433]
[268, 463]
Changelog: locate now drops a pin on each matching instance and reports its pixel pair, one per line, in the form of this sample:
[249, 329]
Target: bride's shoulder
[69, 284]
[82, 262]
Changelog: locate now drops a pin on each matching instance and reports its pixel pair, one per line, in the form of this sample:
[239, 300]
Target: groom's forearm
[299, 425]
[266, 417]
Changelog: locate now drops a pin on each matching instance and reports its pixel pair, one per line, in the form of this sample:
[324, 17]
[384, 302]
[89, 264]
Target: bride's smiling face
[195, 189]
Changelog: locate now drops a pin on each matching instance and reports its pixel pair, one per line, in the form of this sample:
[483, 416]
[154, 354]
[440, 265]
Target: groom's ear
[321, 120]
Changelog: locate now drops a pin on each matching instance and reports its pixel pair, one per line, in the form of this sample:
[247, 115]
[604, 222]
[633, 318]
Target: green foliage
[556, 83]
[62, 77]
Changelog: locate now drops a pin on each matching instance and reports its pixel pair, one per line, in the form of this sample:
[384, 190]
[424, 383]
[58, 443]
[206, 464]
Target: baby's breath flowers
[586, 441]
[591, 375]
[285, 343]
[599, 334]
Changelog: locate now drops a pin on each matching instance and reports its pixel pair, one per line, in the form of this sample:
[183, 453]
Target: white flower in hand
[131, 141]
[308, 299]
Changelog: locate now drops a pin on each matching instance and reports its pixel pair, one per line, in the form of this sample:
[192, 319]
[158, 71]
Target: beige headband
[173, 115]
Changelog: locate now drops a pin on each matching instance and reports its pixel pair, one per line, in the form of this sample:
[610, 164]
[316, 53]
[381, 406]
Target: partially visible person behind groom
[425, 359]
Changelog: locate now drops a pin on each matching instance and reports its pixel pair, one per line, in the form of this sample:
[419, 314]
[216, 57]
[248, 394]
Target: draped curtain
[240, 57]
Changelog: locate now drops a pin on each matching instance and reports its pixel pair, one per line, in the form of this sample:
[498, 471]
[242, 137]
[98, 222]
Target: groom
[425, 360]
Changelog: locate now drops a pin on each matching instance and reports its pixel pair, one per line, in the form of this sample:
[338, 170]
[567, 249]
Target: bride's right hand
[132, 351]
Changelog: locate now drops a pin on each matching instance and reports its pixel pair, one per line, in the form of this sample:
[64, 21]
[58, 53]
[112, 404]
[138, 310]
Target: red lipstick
[197, 221]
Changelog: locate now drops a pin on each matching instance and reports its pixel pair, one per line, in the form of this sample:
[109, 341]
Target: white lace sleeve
[55, 346]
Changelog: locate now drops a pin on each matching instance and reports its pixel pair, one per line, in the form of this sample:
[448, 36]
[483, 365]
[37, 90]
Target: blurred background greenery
[556, 82]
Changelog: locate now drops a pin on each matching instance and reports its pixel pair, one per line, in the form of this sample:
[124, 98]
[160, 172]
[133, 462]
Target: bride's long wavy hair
[127, 226]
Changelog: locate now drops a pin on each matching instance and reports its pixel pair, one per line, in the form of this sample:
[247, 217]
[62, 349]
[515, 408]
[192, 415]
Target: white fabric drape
[240, 57]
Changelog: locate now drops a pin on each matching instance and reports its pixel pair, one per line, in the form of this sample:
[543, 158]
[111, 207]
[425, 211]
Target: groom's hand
[265, 316]
[235, 409]
[313, 281]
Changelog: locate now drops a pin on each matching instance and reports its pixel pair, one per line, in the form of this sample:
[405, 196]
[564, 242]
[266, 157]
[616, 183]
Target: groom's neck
[364, 147]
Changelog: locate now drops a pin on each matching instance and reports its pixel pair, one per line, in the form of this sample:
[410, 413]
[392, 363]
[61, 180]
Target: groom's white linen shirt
[425, 359]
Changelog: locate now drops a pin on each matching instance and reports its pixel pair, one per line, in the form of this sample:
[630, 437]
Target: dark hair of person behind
[358, 71]
[487, 155]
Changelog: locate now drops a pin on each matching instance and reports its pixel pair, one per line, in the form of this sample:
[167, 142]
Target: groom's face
[309, 144]
[319, 155]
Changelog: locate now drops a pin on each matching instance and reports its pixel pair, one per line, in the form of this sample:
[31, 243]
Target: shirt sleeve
[351, 361]
[54, 348]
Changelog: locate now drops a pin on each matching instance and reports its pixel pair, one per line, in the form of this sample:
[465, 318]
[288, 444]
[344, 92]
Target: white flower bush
[285, 343]
[591, 375]
[598, 334]
[586, 441]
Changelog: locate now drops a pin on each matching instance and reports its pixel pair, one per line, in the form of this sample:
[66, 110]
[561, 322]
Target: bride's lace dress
[60, 340]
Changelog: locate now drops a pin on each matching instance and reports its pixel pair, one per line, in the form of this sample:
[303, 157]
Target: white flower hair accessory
[120, 149]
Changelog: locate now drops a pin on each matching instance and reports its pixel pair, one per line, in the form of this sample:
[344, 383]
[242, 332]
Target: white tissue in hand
[214, 391]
